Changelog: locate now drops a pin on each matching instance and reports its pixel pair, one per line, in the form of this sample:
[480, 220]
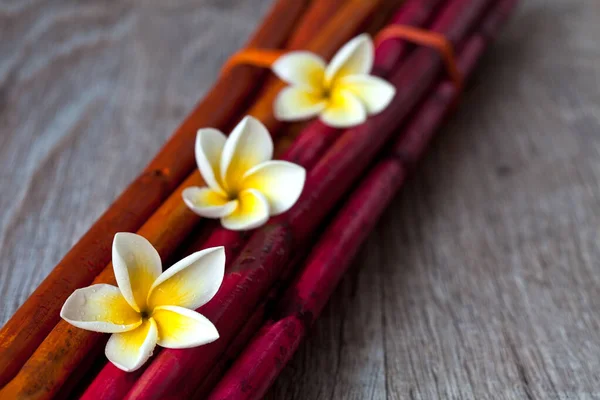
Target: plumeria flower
[245, 187]
[148, 307]
[342, 93]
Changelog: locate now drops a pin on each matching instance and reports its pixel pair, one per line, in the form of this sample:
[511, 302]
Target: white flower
[245, 186]
[149, 306]
[342, 93]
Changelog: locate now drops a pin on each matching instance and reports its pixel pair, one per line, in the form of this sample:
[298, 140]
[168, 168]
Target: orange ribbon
[426, 38]
[265, 58]
[256, 57]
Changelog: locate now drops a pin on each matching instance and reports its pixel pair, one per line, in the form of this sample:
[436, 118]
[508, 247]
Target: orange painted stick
[38, 315]
[383, 16]
[318, 15]
[65, 347]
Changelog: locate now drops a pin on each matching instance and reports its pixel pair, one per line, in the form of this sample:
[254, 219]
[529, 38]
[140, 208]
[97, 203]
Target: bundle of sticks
[278, 277]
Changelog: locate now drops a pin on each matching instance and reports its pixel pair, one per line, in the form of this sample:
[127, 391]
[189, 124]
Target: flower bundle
[305, 151]
[266, 255]
[269, 210]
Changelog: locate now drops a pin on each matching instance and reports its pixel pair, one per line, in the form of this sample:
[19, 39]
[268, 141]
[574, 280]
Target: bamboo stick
[66, 346]
[21, 335]
[265, 256]
[268, 353]
[240, 341]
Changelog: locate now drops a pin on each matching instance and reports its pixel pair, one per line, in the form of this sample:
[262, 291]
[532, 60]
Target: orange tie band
[265, 58]
[256, 57]
[425, 38]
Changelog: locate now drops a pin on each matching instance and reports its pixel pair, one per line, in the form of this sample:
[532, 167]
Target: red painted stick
[174, 373]
[315, 139]
[247, 332]
[262, 361]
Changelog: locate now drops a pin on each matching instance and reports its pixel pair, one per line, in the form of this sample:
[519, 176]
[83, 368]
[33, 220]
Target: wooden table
[481, 281]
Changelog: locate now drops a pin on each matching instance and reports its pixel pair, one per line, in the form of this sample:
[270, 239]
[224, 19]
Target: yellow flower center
[233, 193]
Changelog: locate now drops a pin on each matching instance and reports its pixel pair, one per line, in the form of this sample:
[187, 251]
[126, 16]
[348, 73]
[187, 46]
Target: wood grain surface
[482, 281]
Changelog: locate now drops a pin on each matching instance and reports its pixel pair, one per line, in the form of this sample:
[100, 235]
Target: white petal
[301, 68]
[180, 328]
[248, 145]
[344, 110]
[100, 308]
[375, 93]
[137, 265]
[252, 212]
[281, 182]
[354, 58]
[190, 282]
[209, 148]
[294, 104]
[208, 203]
[130, 350]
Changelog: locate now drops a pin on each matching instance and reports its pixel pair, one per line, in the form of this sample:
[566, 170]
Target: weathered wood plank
[481, 280]
[485, 270]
